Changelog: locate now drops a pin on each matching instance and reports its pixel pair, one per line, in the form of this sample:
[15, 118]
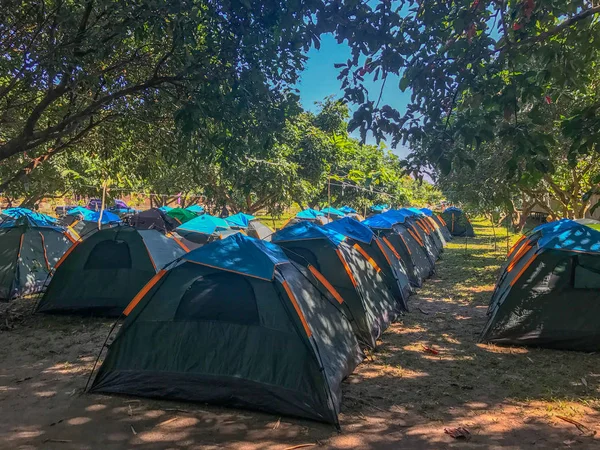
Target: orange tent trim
[523, 269]
[297, 308]
[348, 270]
[333, 291]
[140, 295]
[367, 257]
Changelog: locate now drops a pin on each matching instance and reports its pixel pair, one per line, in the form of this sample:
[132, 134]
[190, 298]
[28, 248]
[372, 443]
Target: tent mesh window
[109, 255]
[587, 272]
[223, 297]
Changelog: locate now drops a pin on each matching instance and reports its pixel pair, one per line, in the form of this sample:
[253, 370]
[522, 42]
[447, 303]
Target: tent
[380, 208]
[370, 302]
[251, 226]
[239, 220]
[202, 230]
[308, 214]
[234, 323]
[196, 209]
[181, 215]
[100, 275]
[166, 208]
[81, 222]
[392, 267]
[348, 210]
[28, 252]
[417, 224]
[153, 219]
[11, 216]
[333, 213]
[549, 293]
[592, 223]
[457, 222]
[443, 229]
[392, 230]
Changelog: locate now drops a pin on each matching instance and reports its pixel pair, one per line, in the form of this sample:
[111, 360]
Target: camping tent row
[323, 216]
[548, 292]
[290, 331]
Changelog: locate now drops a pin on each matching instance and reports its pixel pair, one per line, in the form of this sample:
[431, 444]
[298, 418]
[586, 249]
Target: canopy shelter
[196, 209]
[235, 323]
[392, 230]
[153, 219]
[28, 253]
[333, 213]
[81, 222]
[548, 294]
[457, 222]
[392, 268]
[100, 275]
[370, 302]
[202, 230]
[443, 229]
[181, 215]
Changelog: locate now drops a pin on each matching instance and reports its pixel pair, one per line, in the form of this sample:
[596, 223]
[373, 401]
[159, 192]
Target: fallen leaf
[133, 430]
[458, 433]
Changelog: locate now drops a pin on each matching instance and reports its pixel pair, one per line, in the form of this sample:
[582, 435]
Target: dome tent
[251, 225]
[153, 219]
[458, 222]
[202, 230]
[392, 230]
[197, 209]
[369, 301]
[28, 253]
[333, 213]
[235, 323]
[415, 222]
[548, 294]
[181, 215]
[392, 267]
[439, 222]
[82, 222]
[101, 274]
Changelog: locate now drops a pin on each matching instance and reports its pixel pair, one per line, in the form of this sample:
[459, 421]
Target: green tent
[181, 215]
[235, 323]
[457, 222]
[548, 294]
[27, 255]
[101, 274]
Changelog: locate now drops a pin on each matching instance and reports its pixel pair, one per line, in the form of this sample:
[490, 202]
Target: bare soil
[430, 374]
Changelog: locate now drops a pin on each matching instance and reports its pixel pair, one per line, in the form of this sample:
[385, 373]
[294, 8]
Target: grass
[447, 315]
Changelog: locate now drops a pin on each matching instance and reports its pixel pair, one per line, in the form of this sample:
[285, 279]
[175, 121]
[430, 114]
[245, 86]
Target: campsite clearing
[429, 374]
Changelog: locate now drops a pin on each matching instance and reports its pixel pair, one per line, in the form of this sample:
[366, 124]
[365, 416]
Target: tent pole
[103, 204]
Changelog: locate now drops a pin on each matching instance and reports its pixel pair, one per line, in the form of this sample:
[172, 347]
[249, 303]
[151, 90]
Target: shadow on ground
[430, 373]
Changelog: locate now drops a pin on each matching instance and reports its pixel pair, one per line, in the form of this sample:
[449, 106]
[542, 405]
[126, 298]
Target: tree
[511, 57]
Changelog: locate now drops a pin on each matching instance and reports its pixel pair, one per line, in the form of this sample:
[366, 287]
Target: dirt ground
[404, 396]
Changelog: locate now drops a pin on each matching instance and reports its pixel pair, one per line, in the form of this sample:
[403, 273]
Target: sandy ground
[404, 396]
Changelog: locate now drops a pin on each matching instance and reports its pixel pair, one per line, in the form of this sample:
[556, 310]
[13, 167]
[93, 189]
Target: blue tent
[417, 211]
[570, 236]
[205, 224]
[453, 208]
[239, 220]
[352, 228]
[13, 216]
[384, 221]
[195, 209]
[93, 216]
[165, 208]
[348, 210]
[380, 208]
[309, 213]
[307, 230]
[242, 254]
[427, 212]
[333, 211]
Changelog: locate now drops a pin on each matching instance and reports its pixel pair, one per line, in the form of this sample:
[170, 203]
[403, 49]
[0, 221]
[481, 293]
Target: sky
[319, 79]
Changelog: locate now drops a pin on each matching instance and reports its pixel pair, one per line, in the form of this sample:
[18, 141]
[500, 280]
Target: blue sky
[319, 80]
